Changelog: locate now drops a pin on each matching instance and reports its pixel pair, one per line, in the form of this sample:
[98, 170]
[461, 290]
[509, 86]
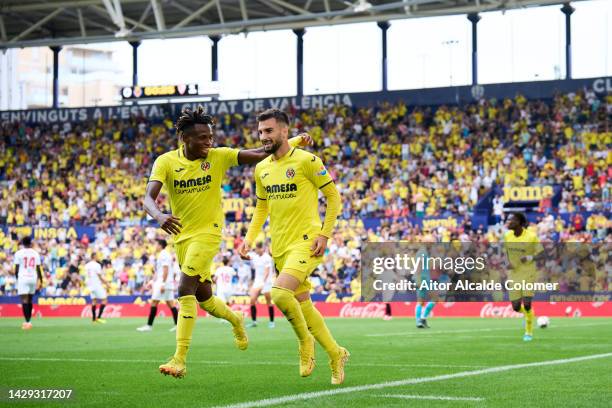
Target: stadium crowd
[389, 161]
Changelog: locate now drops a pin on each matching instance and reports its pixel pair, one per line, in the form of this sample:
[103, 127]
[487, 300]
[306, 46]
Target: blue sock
[428, 309]
[417, 312]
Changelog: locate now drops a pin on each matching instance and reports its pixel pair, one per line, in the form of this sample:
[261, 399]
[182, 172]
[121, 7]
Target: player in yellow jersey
[522, 246]
[192, 175]
[287, 187]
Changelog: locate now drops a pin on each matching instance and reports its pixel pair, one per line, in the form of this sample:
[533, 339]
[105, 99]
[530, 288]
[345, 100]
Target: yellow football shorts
[195, 257]
[298, 263]
[518, 276]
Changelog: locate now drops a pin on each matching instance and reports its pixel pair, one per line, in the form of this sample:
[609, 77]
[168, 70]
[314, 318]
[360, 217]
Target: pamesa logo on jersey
[205, 166]
[290, 173]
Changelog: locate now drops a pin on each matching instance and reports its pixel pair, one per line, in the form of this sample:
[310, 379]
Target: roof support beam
[291, 7]
[145, 13]
[129, 20]
[90, 23]
[36, 25]
[195, 14]
[326, 5]
[190, 25]
[115, 12]
[2, 29]
[52, 5]
[273, 6]
[158, 12]
[81, 22]
[243, 11]
[186, 10]
[220, 12]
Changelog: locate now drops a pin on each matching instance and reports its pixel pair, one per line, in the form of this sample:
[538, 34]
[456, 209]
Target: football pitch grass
[456, 363]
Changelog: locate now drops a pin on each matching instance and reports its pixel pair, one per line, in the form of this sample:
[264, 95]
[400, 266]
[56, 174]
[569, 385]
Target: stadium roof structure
[33, 23]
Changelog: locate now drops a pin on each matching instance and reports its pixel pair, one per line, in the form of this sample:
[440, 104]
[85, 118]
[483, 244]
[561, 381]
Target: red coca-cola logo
[490, 310]
[367, 310]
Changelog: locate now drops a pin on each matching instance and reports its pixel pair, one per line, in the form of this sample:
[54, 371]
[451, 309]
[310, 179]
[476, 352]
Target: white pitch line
[413, 334]
[226, 363]
[431, 397]
[408, 381]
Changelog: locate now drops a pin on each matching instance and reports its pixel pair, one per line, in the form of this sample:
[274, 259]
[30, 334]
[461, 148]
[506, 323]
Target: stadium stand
[393, 164]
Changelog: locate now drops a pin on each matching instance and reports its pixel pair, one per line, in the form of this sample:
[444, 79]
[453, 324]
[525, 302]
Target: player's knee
[302, 297]
[516, 306]
[280, 295]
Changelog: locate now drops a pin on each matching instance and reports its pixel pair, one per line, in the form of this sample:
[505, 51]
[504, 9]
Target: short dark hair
[226, 260]
[189, 118]
[522, 219]
[162, 243]
[277, 114]
[26, 241]
[259, 245]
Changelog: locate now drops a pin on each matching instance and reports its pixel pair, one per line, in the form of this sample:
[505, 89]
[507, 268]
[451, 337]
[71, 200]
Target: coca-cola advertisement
[345, 310]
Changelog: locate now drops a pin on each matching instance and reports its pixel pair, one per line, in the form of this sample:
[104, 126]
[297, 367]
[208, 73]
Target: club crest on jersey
[290, 173]
[205, 166]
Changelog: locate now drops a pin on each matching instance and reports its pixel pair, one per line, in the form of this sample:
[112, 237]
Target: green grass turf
[124, 371]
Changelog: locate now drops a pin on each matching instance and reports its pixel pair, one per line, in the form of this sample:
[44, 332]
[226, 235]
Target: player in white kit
[223, 278]
[264, 277]
[97, 286]
[163, 285]
[28, 271]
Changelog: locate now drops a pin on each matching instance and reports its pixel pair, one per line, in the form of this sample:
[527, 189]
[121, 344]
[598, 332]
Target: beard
[272, 147]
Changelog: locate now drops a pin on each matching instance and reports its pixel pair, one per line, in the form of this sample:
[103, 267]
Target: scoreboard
[159, 91]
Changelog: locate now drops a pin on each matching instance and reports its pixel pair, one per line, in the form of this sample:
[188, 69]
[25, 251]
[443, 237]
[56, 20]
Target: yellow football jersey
[526, 244]
[291, 187]
[194, 189]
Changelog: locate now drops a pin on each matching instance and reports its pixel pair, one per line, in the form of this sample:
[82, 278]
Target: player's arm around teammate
[287, 185]
[192, 176]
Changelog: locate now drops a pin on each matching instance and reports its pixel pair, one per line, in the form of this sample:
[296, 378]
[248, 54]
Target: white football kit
[225, 288]
[28, 260]
[164, 259]
[93, 270]
[260, 263]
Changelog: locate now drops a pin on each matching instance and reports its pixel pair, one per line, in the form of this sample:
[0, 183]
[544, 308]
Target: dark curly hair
[189, 118]
[522, 219]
